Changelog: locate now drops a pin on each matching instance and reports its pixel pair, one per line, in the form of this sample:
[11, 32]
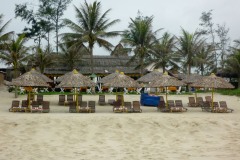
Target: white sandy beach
[60, 135]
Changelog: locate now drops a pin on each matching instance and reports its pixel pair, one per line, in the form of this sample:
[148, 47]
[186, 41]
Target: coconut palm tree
[92, 28]
[233, 64]
[4, 37]
[162, 53]
[140, 37]
[188, 46]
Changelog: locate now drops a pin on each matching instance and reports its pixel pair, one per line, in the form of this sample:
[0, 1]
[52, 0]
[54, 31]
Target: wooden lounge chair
[101, 100]
[191, 102]
[91, 105]
[40, 99]
[223, 104]
[199, 102]
[45, 107]
[84, 107]
[120, 97]
[15, 106]
[35, 107]
[79, 99]
[128, 107]
[61, 99]
[72, 107]
[208, 99]
[136, 107]
[179, 106]
[69, 98]
[161, 105]
[117, 106]
[24, 106]
[206, 106]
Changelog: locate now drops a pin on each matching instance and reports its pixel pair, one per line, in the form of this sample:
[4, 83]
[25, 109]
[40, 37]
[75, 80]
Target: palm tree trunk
[238, 81]
[16, 88]
[91, 56]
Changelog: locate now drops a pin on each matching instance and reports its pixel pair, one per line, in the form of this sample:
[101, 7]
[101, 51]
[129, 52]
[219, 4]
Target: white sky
[168, 14]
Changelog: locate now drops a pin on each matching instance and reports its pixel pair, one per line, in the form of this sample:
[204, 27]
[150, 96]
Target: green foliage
[234, 92]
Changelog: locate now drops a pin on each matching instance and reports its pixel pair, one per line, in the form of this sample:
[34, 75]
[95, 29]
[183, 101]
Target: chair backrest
[223, 104]
[61, 98]
[69, 97]
[102, 98]
[161, 98]
[35, 104]
[45, 104]
[136, 105]
[178, 103]
[171, 103]
[15, 103]
[208, 98]
[199, 100]
[72, 105]
[79, 98]
[24, 103]
[191, 100]
[128, 105]
[39, 97]
[91, 104]
[83, 104]
[215, 104]
[161, 104]
[117, 103]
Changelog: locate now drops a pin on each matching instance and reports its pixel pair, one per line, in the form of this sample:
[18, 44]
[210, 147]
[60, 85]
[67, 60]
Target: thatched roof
[108, 77]
[102, 65]
[212, 81]
[149, 77]
[121, 80]
[165, 81]
[75, 79]
[191, 78]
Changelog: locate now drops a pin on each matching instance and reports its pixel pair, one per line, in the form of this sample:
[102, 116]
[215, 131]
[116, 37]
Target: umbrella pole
[166, 99]
[76, 98]
[212, 98]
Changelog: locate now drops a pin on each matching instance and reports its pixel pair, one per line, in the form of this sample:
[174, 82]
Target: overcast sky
[168, 14]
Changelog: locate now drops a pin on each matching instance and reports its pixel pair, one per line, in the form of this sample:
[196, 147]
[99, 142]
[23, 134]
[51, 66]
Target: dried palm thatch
[212, 82]
[59, 79]
[188, 79]
[109, 77]
[46, 79]
[121, 80]
[150, 76]
[75, 79]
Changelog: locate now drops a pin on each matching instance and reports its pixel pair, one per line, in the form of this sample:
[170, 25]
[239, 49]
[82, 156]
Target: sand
[119, 136]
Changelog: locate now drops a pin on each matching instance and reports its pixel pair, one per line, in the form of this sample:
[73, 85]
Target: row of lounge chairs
[34, 106]
[173, 106]
[84, 107]
[129, 107]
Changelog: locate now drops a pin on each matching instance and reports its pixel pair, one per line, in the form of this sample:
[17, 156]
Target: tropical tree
[162, 53]
[4, 37]
[233, 64]
[204, 60]
[42, 59]
[188, 46]
[92, 28]
[140, 38]
[15, 54]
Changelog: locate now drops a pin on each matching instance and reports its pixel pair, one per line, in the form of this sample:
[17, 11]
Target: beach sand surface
[150, 135]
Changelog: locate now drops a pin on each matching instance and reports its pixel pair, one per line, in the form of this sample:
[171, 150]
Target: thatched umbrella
[59, 79]
[30, 79]
[150, 76]
[121, 80]
[166, 81]
[75, 80]
[212, 82]
[47, 79]
[109, 77]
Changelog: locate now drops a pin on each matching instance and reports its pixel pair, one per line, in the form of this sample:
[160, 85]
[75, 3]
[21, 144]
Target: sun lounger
[179, 106]
[72, 107]
[69, 98]
[101, 100]
[192, 102]
[128, 107]
[199, 102]
[206, 106]
[91, 105]
[15, 106]
[136, 107]
[223, 104]
[35, 107]
[61, 99]
[45, 107]
[117, 106]
[40, 99]
[208, 99]
[84, 107]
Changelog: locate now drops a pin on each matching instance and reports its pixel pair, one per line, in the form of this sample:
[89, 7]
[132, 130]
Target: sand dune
[106, 135]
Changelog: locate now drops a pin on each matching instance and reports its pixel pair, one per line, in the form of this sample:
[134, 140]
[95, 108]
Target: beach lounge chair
[24, 106]
[15, 106]
[35, 107]
[101, 100]
[206, 106]
[72, 107]
[79, 99]
[136, 107]
[128, 107]
[208, 99]
[117, 106]
[223, 104]
[191, 102]
[40, 99]
[69, 98]
[84, 107]
[199, 102]
[179, 105]
[91, 105]
[45, 107]
[61, 99]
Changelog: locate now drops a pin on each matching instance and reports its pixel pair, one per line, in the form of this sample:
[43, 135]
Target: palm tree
[233, 64]
[92, 28]
[189, 45]
[162, 53]
[204, 59]
[140, 37]
[42, 59]
[4, 37]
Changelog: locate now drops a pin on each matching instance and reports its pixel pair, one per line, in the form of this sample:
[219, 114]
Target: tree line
[205, 50]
